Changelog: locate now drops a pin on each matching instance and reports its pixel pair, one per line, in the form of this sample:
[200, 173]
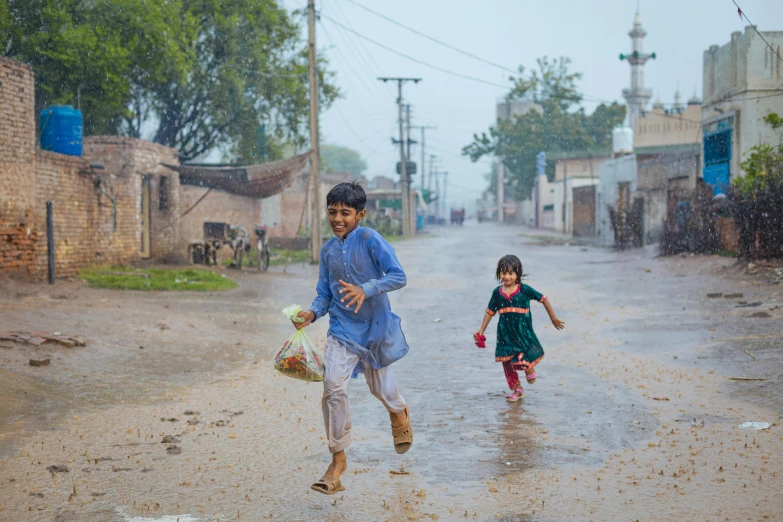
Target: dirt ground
[634, 415]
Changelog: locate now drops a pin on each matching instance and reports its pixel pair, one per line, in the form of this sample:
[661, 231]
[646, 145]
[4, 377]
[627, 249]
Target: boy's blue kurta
[365, 259]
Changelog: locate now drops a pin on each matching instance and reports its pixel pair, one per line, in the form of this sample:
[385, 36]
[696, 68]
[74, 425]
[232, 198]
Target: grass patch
[728, 253]
[279, 256]
[127, 278]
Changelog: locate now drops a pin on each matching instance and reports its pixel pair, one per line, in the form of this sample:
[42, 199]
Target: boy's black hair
[510, 264]
[351, 194]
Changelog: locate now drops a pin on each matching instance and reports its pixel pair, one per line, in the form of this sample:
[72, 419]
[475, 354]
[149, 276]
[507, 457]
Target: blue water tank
[61, 130]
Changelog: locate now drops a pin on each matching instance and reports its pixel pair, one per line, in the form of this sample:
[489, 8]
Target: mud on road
[172, 409]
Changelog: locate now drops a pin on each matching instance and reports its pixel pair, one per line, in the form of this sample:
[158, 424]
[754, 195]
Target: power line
[411, 58]
[433, 39]
[352, 71]
[742, 14]
[377, 70]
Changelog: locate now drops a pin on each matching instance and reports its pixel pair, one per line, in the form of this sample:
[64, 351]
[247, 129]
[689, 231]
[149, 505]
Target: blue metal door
[717, 156]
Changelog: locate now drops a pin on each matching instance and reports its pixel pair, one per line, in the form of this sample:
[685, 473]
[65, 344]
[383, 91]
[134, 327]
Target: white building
[743, 82]
[618, 180]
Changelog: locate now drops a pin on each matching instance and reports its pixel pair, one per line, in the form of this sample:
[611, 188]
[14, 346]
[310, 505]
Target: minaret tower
[637, 96]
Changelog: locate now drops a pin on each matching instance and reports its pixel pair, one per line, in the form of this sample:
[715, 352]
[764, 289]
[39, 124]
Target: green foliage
[337, 158]
[206, 73]
[763, 165]
[280, 256]
[127, 278]
[84, 55]
[556, 125]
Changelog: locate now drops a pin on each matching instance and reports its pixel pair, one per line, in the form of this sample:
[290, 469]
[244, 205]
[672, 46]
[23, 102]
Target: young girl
[517, 346]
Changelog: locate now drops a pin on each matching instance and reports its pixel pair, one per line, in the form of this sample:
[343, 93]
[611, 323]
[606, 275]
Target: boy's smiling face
[344, 219]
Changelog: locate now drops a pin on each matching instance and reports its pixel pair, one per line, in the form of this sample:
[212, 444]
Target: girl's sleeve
[533, 294]
[493, 305]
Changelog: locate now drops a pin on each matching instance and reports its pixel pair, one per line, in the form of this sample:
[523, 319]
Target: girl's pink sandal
[515, 395]
[531, 377]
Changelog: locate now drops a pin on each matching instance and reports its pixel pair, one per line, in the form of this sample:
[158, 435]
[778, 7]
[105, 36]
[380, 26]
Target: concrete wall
[743, 80]
[658, 175]
[613, 172]
[658, 128]
[578, 167]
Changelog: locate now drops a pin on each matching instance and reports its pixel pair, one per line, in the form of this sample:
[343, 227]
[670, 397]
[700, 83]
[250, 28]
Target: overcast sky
[509, 33]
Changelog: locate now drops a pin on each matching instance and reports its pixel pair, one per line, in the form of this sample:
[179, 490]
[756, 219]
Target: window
[163, 193]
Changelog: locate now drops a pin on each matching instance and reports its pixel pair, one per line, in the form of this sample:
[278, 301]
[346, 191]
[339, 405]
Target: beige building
[743, 82]
[660, 127]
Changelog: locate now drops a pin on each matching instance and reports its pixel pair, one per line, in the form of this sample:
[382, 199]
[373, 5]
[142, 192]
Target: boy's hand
[308, 316]
[557, 323]
[354, 294]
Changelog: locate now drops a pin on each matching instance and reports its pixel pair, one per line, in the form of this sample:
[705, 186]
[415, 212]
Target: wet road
[604, 434]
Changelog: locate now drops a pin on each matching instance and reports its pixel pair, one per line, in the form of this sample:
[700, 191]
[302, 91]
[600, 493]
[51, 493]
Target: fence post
[50, 239]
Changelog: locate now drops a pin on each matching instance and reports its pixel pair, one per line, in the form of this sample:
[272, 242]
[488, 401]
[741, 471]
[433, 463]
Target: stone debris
[39, 338]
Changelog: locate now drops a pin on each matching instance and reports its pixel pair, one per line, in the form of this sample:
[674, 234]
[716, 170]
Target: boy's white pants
[340, 363]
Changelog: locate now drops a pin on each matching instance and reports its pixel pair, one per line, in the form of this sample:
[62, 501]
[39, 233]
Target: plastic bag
[298, 357]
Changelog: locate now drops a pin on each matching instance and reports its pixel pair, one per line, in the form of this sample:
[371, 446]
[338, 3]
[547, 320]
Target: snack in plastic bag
[298, 357]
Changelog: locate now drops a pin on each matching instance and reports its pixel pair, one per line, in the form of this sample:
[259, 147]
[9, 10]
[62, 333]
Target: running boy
[358, 269]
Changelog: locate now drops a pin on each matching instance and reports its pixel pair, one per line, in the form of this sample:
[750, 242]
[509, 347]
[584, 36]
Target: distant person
[518, 347]
[358, 269]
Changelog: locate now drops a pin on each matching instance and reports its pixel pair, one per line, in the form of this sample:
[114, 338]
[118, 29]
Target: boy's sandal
[403, 435]
[531, 377]
[515, 395]
[328, 485]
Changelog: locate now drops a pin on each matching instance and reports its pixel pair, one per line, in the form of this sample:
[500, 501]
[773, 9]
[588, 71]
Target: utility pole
[501, 191]
[445, 186]
[440, 196]
[407, 229]
[423, 150]
[315, 163]
[411, 215]
[432, 166]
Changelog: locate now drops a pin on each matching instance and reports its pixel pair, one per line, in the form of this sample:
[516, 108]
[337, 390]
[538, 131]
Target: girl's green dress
[517, 342]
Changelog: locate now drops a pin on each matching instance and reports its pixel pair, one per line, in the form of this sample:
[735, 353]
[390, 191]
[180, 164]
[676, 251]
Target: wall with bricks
[133, 162]
[17, 140]
[97, 211]
[217, 206]
[18, 234]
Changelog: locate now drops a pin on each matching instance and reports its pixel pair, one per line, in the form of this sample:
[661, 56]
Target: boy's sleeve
[493, 306]
[323, 291]
[394, 277]
[534, 294]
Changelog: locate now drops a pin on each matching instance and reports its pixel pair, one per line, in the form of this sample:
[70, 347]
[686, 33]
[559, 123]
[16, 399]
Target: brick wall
[218, 206]
[17, 140]
[130, 161]
[18, 233]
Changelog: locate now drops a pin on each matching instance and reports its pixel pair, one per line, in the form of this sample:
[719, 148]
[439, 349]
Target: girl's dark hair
[351, 194]
[510, 264]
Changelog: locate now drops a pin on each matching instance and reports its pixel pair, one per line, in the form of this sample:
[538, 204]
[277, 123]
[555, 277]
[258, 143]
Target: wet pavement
[632, 416]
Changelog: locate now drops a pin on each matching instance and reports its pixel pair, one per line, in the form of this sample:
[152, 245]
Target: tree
[203, 74]
[84, 55]
[342, 159]
[558, 126]
[249, 67]
[757, 198]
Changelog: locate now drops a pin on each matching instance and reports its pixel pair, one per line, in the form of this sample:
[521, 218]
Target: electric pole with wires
[315, 163]
[407, 228]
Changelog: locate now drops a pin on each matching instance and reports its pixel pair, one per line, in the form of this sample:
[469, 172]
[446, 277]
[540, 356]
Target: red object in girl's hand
[481, 341]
